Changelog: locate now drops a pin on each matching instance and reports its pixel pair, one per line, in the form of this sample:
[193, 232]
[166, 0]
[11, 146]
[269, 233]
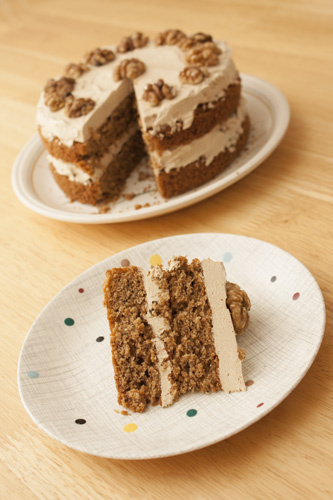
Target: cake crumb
[249, 382]
[142, 176]
[124, 412]
[104, 209]
[116, 411]
[137, 207]
[129, 196]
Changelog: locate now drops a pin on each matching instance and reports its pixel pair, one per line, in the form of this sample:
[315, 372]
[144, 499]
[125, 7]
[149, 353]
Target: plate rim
[34, 147]
[187, 449]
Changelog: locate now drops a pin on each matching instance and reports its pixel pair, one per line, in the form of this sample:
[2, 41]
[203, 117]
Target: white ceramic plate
[65, 372]
[35, 187]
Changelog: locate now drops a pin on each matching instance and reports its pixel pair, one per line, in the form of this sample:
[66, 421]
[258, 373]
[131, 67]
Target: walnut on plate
[99, 57]
[134, 41]
[154, 93]
[56, 92]
[169, 37]
[192, 75]
[239, 305]
[76, 107]
[129, 68]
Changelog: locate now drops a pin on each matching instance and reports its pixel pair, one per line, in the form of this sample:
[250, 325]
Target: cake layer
[96, 84]
[166, 62]
[93, 166]
[191, 344]
[162, 62]
[222, 137]
[134, 354]
[107, 180]
[182, 179]
[206, 117]
[111, 129]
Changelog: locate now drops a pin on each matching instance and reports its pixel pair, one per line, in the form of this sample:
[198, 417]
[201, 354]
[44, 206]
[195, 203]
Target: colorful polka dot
[130, 428]
[191, 413]
[69, 321]
[80, 421]
[155, 260]
[32, 374]
[296, 296]
[81, 290]
[273, 279]
[125, 263]
[99, 339]
[260, 404]
[227, 257]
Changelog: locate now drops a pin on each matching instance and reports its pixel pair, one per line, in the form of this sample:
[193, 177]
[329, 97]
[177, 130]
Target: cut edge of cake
[169, 313]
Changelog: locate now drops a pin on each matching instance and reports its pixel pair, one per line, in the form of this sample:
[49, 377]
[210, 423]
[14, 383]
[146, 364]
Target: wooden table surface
[287, 201]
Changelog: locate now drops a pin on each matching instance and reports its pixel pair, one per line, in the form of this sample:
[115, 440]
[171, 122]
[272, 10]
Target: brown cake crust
[181, 180]
[205, 119]
[111, 182]
[113, 127]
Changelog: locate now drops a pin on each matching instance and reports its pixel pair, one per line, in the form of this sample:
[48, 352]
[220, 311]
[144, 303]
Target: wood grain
[286, 201]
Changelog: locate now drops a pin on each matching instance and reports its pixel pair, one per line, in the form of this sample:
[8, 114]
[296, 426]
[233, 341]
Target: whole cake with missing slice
[176, 98]
[173, 331]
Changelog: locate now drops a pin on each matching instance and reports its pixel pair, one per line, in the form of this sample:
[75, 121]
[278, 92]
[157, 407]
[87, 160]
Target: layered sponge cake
[174, 331]
[176, 98]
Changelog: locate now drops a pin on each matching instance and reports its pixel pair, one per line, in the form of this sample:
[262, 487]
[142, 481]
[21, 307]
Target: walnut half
[205, 54]
[239, 305]
[192, 75]
[99, 57]
[73, 70]
[74, 108]
[134, 41]
[191, 41]
[56, 92]
[156, 92]
[169, 37]
[129, 68]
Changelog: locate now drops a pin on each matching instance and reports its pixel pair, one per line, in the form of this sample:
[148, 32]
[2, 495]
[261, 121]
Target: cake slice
[173, 331]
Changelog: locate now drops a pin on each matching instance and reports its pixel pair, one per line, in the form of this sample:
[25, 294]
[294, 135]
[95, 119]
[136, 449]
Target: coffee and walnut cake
[176, 98]
[174, 331]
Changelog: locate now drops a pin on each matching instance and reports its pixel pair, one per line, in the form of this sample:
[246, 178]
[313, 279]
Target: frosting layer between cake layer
[159, 325]
[230, 366]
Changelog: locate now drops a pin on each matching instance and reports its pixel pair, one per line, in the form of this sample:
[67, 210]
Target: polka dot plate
[65, 371]
[35, 187]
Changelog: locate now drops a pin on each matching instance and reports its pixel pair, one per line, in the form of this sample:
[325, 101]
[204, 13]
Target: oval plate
[35, 187]
[65, 371]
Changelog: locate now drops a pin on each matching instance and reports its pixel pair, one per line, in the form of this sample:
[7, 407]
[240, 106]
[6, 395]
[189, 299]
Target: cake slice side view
[173, 331]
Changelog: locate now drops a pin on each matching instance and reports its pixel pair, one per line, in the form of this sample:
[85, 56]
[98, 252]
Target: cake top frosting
[169, 81]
